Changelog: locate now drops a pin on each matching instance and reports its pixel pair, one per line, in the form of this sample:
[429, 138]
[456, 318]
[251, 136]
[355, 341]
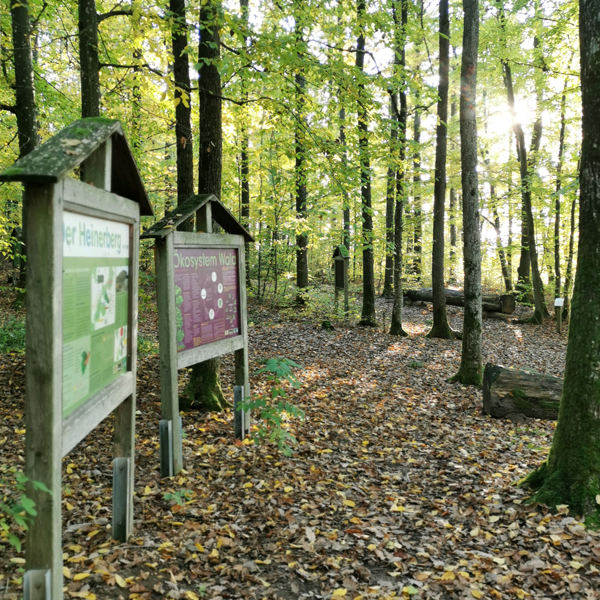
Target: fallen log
[510, 393]
[504, 303]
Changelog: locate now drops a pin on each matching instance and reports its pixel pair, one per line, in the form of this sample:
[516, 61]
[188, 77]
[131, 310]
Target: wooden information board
[81, 331]
[201, 297]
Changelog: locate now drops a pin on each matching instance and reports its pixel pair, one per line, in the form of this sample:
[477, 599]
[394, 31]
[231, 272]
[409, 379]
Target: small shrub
[274, 409]
[415, 364]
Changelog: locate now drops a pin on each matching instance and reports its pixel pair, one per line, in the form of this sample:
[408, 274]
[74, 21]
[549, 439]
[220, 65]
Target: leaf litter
[399, 485]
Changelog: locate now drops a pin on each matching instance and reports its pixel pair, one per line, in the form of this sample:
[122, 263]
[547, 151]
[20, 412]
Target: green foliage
[12, 335]
[274, 409]
[178, 497]
[415, 364]
[21, 511]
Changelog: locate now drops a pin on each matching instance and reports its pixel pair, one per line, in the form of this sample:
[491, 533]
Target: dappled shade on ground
[399, 485]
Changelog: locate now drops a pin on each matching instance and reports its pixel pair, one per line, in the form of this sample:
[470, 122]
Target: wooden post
[167, 339]
[204, 218]
[238, 415]
[558, 306]
[97, 167]
[43, 451]
[242, 375]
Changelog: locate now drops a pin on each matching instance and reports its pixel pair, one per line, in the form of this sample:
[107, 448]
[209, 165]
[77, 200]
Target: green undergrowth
[12, 335]
[274, 411]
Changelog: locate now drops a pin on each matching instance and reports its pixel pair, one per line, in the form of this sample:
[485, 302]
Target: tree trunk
[300, 171]
[388, 281]
[88, 59]
[418, 214]
[440, 327]
[452, 213]
[526, 168]
[513, 393]
[571, 474]
[561, 149]
[469, 372]
[204, 388]
[368, 317]
[245, 150]
[569, 275]
[183, 107]
[345, 199]
[25, 109]
[490, 303]
[501, 254]
[400, 51]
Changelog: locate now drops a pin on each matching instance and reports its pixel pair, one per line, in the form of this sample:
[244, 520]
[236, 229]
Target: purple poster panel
[206, 295]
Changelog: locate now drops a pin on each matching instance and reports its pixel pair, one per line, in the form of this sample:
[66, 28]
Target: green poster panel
[95, 305]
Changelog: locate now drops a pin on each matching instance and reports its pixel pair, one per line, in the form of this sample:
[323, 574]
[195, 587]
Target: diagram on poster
[95, 306]
[206, 295]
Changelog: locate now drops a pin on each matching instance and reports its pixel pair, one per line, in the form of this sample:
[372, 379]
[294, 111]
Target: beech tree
[470, 362]
[204, 388]
[571, 473]
[440, 327]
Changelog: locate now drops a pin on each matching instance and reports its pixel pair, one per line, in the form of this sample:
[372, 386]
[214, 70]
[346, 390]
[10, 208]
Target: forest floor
[399, 485]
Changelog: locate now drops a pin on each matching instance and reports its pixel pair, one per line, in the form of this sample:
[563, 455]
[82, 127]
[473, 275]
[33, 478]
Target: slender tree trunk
[204, 388]
[571, 474]
[368, 317]
[388, 282]
[440, 327]
[88, 59]
[501, 254]
[345, 199]
[183, 107]
[470, 371]
[300, 171]
[526, 169]
[418, 213]
[452, 211]
[561, 149]
[245, 150]
[25, 109]
[569, 275]
[400, 51]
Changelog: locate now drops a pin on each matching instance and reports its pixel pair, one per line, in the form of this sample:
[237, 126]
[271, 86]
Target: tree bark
[469, 372]
[452, 213]
[245, 149]
[25, 107]
[88, 59]
[571, 474]
[183, 107]
[300, 170]
[561, 149]
[418, 213]
[440, 327]
[569, 275]
[513, 393]
[388, 281]
[400, 51]
[204, 388]
[501, 254]
[368, 317]
[491, 303]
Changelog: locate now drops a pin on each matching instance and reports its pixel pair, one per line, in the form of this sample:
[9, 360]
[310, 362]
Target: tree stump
[513, 393]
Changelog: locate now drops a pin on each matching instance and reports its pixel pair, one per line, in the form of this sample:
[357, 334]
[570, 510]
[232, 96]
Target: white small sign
[559, 302]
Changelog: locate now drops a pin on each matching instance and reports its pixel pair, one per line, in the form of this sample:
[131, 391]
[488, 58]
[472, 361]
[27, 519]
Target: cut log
[510, 393]
[490, 303]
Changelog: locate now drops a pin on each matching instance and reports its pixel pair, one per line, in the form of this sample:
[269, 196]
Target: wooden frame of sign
[81, 331]
[204, 331]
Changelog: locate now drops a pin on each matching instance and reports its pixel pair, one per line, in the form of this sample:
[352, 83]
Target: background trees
[298, 113]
